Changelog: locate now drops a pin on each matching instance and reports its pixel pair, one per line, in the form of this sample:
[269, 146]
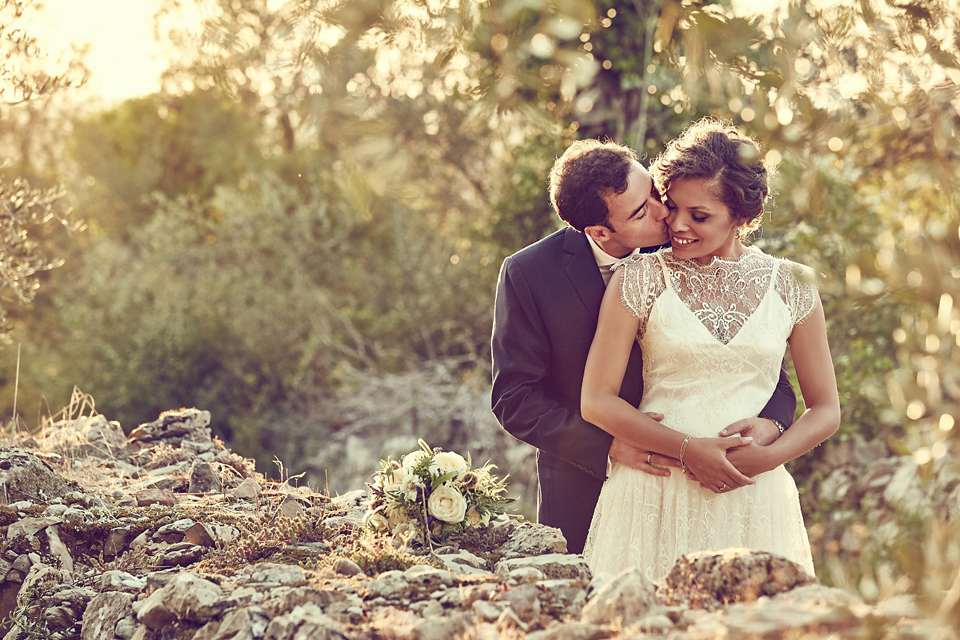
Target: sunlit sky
[124, 58]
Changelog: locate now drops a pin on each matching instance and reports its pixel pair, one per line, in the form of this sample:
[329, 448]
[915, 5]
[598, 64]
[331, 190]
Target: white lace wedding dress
[713, 338]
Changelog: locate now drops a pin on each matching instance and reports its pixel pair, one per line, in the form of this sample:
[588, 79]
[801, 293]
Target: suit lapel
[582, 270]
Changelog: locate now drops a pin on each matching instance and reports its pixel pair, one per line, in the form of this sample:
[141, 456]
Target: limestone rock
[147, 497]
[203, 478]
[174, 532]
[249, 489]
[812, 609]
[287, 598]
[290, 507]
[733, 575]
[24, 476]
[248, 623]
[117, 580]
[462, 561]
[307, 621]
[553, 565]
[105, 611]
[524, 601]
[186, 597]
[346, 567]
[444, 627]
[528, 539]
[86, 436]
[173, 427]
[626, 598]
[426, 575]
[29, 527]
[273, 573]
[260, 582]
[575, 631]
[389, 583]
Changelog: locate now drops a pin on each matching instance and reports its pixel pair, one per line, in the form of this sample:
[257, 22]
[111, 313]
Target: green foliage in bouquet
[432, 494]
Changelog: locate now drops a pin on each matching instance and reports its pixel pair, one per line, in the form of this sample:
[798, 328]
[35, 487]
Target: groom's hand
[641, 459]
[762, 430]
[751, 460]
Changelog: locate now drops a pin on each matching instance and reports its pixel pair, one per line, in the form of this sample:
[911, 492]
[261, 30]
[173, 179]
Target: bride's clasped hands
[706, 460]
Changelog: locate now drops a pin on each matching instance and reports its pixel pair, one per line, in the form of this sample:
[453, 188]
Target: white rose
[411, 459]
[447, 461]
[447, 504]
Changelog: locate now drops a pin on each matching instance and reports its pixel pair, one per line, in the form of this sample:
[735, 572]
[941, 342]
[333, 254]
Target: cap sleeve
[642, 283]
[797, 286]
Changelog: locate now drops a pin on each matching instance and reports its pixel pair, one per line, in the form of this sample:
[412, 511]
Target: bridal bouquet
[431, 494]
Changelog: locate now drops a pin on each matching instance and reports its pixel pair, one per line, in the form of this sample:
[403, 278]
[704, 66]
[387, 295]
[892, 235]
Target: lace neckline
[716, 261]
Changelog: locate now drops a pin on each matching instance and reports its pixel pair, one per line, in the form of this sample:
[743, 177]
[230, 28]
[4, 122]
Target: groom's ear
[598, 232]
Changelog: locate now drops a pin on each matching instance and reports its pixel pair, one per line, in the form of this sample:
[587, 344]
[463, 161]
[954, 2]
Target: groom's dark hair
[586, 172]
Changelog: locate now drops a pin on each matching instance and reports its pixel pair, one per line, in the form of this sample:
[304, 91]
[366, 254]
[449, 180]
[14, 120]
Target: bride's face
[701, 226]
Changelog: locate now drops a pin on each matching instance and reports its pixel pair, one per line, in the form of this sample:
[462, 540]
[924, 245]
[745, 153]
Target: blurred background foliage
[327, 190]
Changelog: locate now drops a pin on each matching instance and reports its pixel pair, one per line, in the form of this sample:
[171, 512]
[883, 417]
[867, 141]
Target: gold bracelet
[683, 449]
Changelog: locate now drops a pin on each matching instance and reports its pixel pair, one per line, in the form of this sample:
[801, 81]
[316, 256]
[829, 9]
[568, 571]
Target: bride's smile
[701, 225]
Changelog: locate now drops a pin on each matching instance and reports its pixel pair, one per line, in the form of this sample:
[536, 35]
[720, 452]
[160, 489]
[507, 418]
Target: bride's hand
[707, 460]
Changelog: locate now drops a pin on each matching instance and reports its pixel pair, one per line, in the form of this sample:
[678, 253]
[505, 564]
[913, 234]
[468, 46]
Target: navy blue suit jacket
[545, 316]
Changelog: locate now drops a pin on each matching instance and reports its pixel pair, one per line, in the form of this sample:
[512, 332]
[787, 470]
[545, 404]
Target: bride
[713, 317]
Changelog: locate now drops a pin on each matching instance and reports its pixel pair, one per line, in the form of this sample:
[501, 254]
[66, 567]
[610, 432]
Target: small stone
[116, 579]
[627, 597]
[276, 573]
[198, 534]
[58, 549]
[346, 567]
[486, 611]
[147, 497]
[22, 563]
[389, 583]
[140, 540]
[187, 596]
[203, 478]
[249, 489]
[182, 556]
[291, 507]
[174, 532]
[116, 541]
[529, 539]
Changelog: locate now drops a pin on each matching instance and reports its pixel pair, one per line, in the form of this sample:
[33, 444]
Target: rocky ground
[166, 534]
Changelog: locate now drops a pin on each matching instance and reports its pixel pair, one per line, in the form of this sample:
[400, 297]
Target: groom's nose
[660, 211]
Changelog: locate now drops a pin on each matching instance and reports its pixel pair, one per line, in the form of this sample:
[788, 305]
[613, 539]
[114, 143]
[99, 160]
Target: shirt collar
[604, 259]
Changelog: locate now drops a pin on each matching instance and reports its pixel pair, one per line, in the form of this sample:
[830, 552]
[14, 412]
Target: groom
[547, 304]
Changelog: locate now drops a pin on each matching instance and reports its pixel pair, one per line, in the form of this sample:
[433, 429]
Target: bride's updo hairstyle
[728, 159]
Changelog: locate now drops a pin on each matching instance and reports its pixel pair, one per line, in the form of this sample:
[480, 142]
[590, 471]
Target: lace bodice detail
[723, 294]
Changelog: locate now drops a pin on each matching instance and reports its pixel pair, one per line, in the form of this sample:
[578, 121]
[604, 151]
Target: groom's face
[637, 216]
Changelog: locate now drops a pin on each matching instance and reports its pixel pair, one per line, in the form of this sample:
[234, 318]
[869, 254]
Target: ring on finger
[649, 456]
[723, 487]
